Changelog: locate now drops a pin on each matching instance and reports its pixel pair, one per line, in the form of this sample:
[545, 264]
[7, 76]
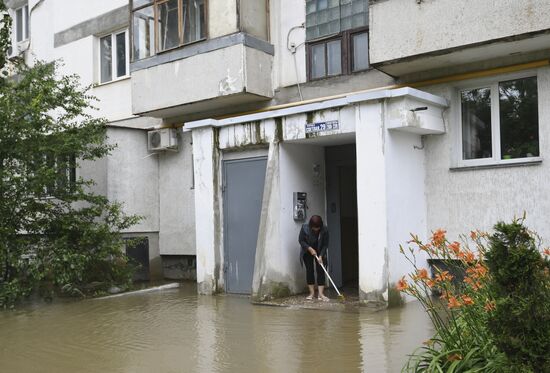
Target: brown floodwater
[178, 331]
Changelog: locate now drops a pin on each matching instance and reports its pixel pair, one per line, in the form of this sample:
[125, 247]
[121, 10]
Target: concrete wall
[284, 16]
[207, 217]
[460, 201]
[222, 18]
[223, 72]
[82, 23]
[406, 199]
[67, 13]
[177, 200]
[402, 28]
[254, 17]
[133, 177]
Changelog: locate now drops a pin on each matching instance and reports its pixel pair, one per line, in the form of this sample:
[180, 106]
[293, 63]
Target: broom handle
[330, 278]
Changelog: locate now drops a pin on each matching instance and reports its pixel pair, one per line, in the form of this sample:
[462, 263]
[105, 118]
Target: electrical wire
[292, 49]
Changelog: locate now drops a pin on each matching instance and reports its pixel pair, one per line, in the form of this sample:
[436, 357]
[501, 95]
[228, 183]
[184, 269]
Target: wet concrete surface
[178, 331]
[349, 302]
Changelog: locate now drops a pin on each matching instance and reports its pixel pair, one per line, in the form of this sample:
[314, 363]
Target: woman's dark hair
[315, 222]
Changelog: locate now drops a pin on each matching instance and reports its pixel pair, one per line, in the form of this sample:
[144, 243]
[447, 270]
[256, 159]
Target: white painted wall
[371, 201]
[80, 56]
[177, 200]
[461, 201]
[205, 214]
[406, 199]
[284, 16]
[401, 28]
[67, 13]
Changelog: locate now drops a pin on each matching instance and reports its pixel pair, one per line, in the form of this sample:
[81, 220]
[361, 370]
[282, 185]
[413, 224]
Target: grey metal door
[243, 191]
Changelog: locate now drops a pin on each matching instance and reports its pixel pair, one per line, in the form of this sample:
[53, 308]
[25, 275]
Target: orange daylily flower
[478, 271]
[438, 237]
[453, 302]
[467, 301]
[443, 276]
[421, 274]
[402, 284]
[455, 247]
[546, 252]
[476, 285]
[430, 283]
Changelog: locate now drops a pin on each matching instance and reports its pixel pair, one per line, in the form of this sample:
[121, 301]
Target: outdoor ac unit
[162, 139]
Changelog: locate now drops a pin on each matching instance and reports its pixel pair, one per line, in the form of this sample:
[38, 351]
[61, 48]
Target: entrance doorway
[243, 187]
[341, 183]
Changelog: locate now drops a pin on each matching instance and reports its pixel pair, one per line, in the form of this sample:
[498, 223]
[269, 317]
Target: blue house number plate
[322, 126]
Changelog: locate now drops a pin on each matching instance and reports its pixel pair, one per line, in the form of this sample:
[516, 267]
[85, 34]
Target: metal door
[243, 191]
[137, 250]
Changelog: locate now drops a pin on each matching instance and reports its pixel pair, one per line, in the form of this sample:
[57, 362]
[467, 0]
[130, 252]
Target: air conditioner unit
[162, 139]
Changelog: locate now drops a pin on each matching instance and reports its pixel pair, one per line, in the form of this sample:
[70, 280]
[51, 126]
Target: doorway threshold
[349, 304]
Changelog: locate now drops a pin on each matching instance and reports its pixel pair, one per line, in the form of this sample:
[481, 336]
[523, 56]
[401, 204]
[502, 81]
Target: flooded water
[178, 331]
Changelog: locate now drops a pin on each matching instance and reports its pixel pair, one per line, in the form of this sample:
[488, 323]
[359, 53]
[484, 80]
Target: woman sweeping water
[313, 240]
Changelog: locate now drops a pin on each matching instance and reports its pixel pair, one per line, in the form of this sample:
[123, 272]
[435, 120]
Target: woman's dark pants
[310, 275]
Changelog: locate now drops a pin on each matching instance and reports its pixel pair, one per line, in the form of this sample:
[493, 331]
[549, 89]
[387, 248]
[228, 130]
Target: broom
[340, 296]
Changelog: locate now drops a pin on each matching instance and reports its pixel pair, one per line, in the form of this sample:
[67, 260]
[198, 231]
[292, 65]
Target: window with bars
[159, 25]
[337, 37]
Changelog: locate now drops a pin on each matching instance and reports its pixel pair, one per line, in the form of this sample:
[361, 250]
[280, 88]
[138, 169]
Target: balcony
[226, 71]
[413, 36]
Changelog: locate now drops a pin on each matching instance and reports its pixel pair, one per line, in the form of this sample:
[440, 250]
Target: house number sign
[322, 126]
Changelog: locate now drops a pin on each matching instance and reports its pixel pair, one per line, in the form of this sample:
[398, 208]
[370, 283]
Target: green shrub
[496, 319]
[520, 324]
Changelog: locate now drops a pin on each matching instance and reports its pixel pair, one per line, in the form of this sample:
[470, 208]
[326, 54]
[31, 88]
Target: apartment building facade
[236, 120]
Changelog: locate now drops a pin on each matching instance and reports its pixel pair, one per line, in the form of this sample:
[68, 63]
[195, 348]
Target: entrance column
[207, 212]
[371, 204]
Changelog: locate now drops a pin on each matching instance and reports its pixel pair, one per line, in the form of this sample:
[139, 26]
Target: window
[343, 54]
[21, 24]
[337, 37]
[113, 56]
[65, 174]
[159, 25]
[500, 122]
[58, 173]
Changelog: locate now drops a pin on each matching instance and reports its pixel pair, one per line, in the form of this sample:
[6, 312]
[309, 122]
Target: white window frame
[25, 19]
[492, 83]
[114, 60]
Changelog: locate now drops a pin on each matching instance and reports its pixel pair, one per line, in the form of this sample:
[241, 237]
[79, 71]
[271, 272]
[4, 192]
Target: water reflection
[177, 331]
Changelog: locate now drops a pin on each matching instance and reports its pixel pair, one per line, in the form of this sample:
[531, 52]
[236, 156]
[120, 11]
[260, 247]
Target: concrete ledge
[173, 285]
[352, 98]
[110, 21]
[203, 47]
